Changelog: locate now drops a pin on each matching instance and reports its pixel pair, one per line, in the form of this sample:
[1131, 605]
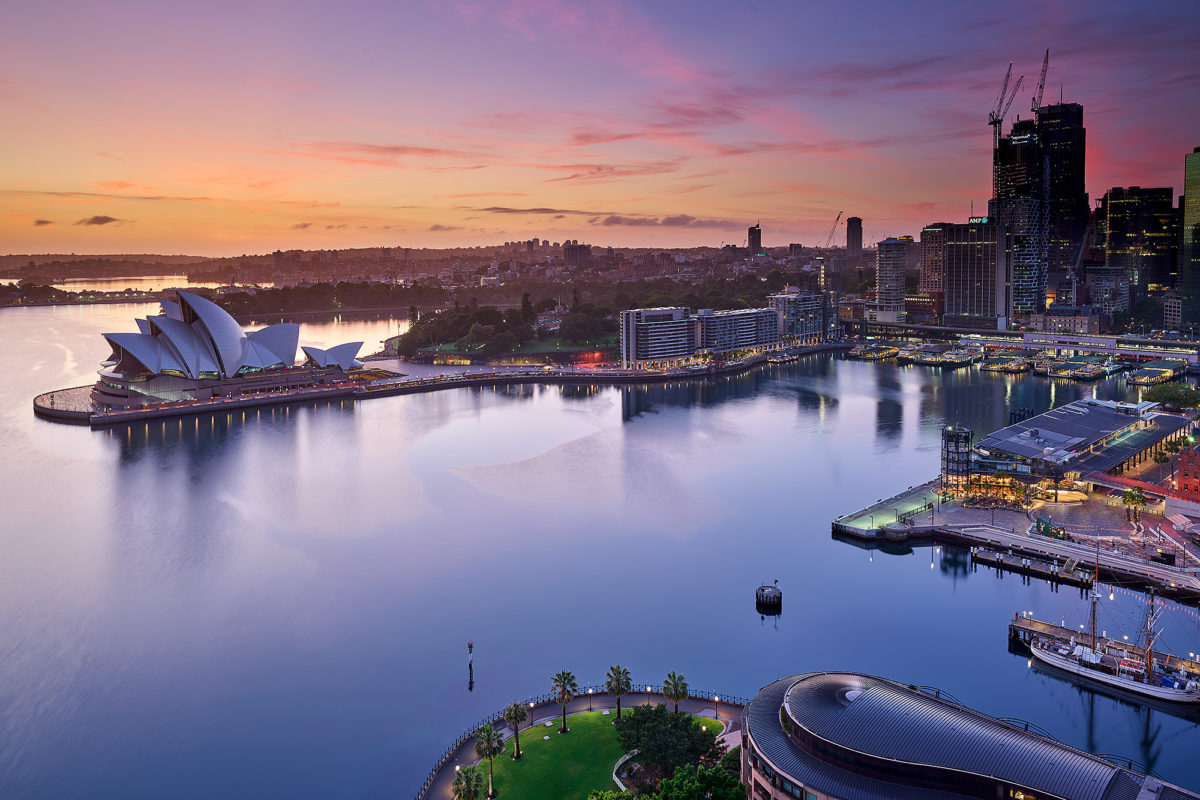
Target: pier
[1024, 629]
[1069, 573]
[915, 514]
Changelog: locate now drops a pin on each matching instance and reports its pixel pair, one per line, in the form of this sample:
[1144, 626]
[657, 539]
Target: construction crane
[1037, 99]
[825, 243]
[996, 117]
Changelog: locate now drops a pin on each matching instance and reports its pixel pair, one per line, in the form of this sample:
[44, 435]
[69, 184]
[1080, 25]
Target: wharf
[916, 514]
[1025, 628]
[1068, 573]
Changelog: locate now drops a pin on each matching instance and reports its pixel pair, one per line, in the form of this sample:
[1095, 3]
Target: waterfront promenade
[545, 709]
[410, 379]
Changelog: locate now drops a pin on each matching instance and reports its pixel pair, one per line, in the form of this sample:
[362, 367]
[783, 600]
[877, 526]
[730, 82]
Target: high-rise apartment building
[1022, 186]
[1140, 236]
[660, 337]
[1189, 262]
[754, 240]
[933, 258]
[1064, 147]
[741, 329]
[803, 317]
[891, 261]
[853, 237]
[978, 275]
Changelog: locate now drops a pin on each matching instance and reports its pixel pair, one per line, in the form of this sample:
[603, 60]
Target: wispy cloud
[675, 221]
[39, 223]
[299, 226]
[445, 228]
[100, 219]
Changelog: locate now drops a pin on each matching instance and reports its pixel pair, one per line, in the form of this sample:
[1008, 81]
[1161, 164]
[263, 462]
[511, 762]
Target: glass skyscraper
[1189, 263]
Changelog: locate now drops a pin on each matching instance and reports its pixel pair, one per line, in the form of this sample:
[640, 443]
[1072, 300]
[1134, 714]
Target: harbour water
[277, 603]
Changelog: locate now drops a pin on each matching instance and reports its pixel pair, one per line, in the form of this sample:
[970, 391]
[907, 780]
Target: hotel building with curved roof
[849, 736]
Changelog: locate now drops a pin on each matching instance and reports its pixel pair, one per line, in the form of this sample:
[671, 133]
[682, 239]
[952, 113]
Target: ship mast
[1095, 593]
[1150, 635]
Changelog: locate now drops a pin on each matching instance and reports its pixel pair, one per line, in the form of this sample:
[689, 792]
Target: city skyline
[478, 122]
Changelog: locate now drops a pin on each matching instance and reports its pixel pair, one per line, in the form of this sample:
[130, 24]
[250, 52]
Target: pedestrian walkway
[729, 713]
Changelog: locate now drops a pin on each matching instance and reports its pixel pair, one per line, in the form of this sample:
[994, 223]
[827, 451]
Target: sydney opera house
[195, 351]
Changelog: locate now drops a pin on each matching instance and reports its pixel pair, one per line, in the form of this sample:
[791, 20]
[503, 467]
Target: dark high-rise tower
[853, 237]
[754, 239]
[933, 258]
[978, 275]
[1140, 236]
[1064, 146]
[1189, 262]
[1021, 179]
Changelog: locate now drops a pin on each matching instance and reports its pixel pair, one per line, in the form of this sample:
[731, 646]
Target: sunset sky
[220, 128]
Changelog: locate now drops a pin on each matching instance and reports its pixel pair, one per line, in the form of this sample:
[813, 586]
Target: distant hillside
[14, 261]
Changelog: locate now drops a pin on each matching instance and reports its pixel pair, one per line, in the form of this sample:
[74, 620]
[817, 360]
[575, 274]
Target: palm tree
[468, 784]
[675, 688]
[1133, 499]
[618, 684]
[565, 687]
[514, 715]
[489, 744]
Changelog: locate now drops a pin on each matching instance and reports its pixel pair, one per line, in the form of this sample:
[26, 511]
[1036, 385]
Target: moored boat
[1136, 670]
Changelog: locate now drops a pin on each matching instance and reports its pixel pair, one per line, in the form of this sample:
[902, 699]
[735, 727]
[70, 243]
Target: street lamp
[589, 699]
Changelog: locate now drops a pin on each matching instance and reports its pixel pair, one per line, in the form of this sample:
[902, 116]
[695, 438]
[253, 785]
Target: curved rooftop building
[849, 736]
[194, 350]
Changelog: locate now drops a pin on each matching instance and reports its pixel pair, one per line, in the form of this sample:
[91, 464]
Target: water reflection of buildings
[638, 399]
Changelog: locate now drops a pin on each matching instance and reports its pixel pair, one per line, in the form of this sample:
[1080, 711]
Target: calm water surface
[277, 603]
[140, 283]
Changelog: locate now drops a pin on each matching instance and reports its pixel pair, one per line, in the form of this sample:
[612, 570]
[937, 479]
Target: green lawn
[565, 766]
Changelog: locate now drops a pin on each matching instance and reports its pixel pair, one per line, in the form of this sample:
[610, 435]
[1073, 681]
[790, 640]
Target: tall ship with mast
[1135, 669]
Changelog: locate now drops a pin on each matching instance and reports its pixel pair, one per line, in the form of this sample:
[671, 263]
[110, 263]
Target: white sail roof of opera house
[195, 338]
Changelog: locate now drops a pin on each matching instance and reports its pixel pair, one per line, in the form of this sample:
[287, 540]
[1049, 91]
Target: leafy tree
[666, 740]
[527, 312]
[468, 784]
[565, 688]
[578, 327]
[413, 314]
[675, 688]
[547, 304]
[731, 762]
[609, 794]
[503, 342]
[1161, 458]
[692, 782]
[618, 683]
[514, 715]
[1177, 395]
[489, 316]
[489, 744]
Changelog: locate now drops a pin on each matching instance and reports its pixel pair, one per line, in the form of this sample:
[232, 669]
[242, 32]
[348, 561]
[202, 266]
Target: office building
[1020, 204]
[853, 237]
[1064, 147]
[741, 329]
[978, 275]
[1141, 237]
[850, 736]
[802, 318]
[891, 260]
[933, 258]
[754, 240]
[1189, 262]
[1107, 290]
[1171, 308]
[656, 338]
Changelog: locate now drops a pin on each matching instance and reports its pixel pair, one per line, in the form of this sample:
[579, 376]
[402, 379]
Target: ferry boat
[1118, 665]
